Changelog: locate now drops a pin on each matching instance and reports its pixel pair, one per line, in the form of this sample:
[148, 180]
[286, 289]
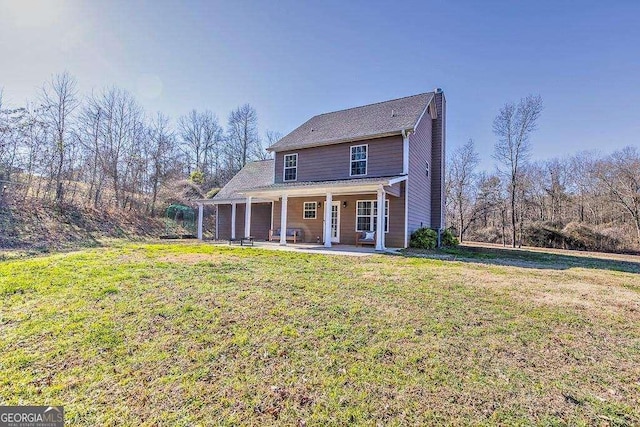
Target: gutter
[405, 170]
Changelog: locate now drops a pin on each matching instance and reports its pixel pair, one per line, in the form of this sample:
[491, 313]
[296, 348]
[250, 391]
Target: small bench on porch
[292, 235]
[366, 238]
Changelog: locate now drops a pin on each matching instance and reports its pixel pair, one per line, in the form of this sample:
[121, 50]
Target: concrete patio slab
[320, 249]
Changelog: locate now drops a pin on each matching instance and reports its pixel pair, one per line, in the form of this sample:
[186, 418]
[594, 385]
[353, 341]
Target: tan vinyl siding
[260, 221]
[224, 222]
[239, 220]
[419, 184]
[333, 162]
[313, 227]
[437, 164]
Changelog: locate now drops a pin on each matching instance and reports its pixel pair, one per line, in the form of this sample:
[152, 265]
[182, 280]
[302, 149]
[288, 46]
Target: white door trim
[336, 239]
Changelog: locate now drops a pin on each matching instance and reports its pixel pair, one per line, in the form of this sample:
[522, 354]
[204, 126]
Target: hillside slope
[35, 225]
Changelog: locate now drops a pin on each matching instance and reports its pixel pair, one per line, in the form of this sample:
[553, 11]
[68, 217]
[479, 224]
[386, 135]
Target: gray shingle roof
[252, 175]
[374, 120]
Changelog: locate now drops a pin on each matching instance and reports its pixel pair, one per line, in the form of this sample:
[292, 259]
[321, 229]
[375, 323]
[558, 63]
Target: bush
[547, 235]
[448, 239]
[590, 239]
[486, 234]
[197, 177]
[424, 238]
[575, 236]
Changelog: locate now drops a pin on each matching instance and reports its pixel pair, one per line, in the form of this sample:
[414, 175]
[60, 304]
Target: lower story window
[310, 209]
[367, 215]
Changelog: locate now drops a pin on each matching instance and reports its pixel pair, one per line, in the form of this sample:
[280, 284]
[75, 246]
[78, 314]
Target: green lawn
[188, 334]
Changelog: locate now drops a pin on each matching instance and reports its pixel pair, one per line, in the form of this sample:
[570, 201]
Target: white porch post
[247, 218]
[200, 216]
[327, 220]
[283, 220]
[233, 221]
[380, 221]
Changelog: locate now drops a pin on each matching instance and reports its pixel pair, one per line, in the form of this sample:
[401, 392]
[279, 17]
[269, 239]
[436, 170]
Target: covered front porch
[323, 213]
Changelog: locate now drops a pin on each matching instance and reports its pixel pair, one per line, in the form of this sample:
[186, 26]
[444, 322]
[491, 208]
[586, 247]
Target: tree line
[588, 201]
[103, 149]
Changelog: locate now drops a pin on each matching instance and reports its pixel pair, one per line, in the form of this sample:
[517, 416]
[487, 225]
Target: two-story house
[340, 174]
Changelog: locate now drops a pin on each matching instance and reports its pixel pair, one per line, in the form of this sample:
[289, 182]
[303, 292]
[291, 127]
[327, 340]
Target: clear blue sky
[294, 59]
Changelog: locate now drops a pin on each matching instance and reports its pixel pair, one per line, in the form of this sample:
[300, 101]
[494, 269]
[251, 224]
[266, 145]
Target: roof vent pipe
[393, 113]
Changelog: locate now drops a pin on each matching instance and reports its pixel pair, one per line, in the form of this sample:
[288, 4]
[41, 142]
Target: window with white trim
[358, 160]
[290, 172]
[367, 215]
[310, 210]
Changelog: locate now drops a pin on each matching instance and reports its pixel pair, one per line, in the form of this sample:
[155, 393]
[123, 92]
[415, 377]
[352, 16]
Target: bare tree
[488, 198]
[582, 182]
[91, 127]
[513, 126]
[620, 175]
[33, 137]
[214, 138]
[242, 136]
[270, 138]
[557, 171]
[460, 183]
[5, 141]
[160, 155]
[538, 183]
[11, 122]
[120, 138]
[59, 97]
[201, 135]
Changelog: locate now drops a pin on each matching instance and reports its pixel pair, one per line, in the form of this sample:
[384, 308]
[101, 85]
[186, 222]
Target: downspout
[405, 170]
[443, 199]
[405, 152]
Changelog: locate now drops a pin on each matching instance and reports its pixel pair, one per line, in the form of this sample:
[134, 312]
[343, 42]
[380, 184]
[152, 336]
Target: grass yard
[189, 334]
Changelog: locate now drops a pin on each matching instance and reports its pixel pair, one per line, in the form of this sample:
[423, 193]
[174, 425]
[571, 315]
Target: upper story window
[359, 160]
[290, 167]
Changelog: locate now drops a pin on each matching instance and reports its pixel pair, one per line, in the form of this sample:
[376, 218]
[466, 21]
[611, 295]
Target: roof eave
[424, 110]
[276, 149]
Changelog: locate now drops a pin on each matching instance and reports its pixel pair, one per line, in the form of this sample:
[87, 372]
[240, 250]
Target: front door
[335, 222]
